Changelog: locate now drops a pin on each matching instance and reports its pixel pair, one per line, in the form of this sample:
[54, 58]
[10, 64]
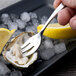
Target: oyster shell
[13, 54]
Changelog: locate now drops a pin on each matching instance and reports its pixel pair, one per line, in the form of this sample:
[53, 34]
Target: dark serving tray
[39, 7]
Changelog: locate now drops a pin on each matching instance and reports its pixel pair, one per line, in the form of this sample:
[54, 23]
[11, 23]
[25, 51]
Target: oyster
[13, 53]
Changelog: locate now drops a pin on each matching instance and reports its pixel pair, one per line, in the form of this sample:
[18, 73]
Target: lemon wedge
[5, 35]
[57, 31]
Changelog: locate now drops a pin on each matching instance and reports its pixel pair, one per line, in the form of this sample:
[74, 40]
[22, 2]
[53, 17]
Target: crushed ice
[29, 22]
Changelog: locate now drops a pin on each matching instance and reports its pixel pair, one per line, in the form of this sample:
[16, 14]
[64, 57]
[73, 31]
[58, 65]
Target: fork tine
[25, 44]
[30, 52]
[27, 48]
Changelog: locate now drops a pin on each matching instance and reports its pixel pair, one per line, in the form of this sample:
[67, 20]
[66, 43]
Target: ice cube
[35, 22]
[5, 18]
[3, 68]
[60, 47]
[5, 15]
[12, 25]
[25, 17]
[31, 29]
[46, 54]
[46, 50]
[21, 24]
[16, 73]
[44, 19]
[33, 15]
[13, 17]
[48, 43]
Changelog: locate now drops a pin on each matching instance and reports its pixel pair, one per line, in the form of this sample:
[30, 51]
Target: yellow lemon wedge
[5, 35]
[57, 31]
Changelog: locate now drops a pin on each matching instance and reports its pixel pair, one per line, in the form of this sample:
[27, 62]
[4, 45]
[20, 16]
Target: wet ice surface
[59, 48]
[28, 22]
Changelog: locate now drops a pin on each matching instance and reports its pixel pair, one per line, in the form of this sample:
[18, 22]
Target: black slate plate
[40, 7]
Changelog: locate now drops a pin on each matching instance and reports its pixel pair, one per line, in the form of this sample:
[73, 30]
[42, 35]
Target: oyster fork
[34, 42]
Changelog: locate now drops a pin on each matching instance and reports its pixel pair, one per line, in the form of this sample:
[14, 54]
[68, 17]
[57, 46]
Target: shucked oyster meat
[13, 52]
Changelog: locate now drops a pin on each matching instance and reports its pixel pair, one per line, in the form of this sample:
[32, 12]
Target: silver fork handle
[52, 16]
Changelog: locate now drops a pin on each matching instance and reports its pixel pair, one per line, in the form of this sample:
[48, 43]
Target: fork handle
[61, 6]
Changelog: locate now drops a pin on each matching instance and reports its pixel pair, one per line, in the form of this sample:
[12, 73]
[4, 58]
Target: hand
[68, 14]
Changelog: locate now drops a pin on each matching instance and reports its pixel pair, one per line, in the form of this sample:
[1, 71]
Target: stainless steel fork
[34, 42]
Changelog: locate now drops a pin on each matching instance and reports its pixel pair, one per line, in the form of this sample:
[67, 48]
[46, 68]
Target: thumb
[69, 3]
